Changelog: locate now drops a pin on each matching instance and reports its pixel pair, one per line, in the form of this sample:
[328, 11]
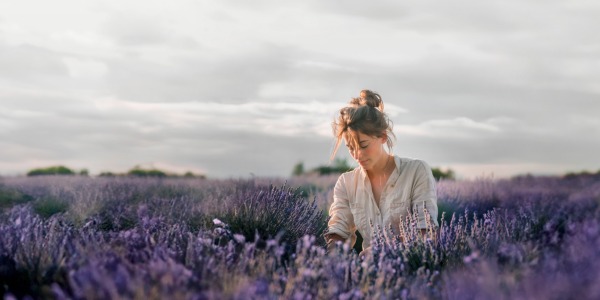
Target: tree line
[134, 172]
[341, 165]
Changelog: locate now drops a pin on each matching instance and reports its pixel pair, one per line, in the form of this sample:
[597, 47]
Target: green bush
[189, 174]
[298, 169]
[11, 197]
[339, 166]
[138, 172]
[146, 173]
[107, 174]
[307, 190]
[122, 221]
[448, 210]
[439, 174]
[120, 214]
[55, 170]
[46, 207]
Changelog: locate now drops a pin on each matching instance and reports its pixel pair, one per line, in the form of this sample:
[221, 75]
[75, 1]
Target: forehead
[356, 137]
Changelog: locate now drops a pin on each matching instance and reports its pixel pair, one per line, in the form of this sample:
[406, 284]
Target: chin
[366, 167]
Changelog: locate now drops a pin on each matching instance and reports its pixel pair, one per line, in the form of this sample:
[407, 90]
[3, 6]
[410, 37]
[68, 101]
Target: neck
[383, 166]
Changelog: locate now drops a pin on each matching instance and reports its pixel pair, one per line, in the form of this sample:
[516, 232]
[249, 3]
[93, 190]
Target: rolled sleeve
[341, 221]
[424, 196]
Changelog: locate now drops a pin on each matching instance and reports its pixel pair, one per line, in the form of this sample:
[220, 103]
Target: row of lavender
[89, 238]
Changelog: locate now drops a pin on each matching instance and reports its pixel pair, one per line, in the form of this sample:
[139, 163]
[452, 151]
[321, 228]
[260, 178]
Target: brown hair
[365, 115]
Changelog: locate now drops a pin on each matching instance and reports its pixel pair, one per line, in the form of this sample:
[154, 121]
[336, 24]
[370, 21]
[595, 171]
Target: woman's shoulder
[414, 164]
[348, 179]
[351, 174]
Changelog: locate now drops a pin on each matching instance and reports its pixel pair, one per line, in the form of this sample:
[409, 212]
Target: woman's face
[369, 152]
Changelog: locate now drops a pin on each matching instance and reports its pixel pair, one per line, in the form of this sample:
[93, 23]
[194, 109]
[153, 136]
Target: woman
[385, 188]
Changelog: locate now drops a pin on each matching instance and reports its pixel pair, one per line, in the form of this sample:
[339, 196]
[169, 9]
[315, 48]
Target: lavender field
[75, 237]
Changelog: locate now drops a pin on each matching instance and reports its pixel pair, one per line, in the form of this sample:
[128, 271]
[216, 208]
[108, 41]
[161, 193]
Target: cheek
[371, 150]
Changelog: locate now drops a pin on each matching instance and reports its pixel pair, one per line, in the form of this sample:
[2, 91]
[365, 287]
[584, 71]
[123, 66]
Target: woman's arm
[341, 223]
[424, 198]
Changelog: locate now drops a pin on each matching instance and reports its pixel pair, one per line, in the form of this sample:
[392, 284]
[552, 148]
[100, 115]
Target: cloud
[82, 68]
[135, 30]
[231, 88]
[516, 144]
[29, 63]
[457, 127]
[198, 79]
[282, 118]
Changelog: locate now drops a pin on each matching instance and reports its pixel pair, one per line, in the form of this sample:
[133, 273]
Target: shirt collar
[396, 173]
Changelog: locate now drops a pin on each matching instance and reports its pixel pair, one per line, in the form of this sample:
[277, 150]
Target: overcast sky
[234, 88]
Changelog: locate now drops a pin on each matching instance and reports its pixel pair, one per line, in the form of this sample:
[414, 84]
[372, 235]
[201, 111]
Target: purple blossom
[530, 237]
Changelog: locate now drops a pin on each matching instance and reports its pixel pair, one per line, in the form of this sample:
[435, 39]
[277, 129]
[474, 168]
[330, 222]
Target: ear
[384, 138]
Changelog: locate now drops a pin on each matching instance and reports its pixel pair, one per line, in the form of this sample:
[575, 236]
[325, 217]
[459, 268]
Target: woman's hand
[332, 239]
[365, 252]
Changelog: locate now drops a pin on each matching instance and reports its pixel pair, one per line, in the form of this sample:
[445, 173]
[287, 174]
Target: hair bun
[372, 99]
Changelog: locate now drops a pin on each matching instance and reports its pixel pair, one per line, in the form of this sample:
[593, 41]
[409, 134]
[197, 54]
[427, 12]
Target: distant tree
[584, 173]
[339, 166]
[439, 174]
[298, 169]
[84, 172]
[107, 174]
[137, 172]
[189, 174]
[55, 170]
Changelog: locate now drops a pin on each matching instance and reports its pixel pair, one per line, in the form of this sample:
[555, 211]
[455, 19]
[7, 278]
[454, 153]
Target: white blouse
[411, 186]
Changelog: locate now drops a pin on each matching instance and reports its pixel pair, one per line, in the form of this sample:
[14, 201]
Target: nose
[356, 154]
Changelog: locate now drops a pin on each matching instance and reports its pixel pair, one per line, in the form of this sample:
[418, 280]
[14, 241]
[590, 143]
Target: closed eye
[350, 148]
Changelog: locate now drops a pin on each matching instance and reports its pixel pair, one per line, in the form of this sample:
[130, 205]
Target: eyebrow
[360, 142]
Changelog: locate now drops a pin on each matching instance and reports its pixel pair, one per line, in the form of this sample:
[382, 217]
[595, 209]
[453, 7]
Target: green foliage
[10, 197]
[198, 222]
[119, 213]
[137, 172]
[55, 170]
[307, 190]
[573, 175]
[46, 207]
[107, 174]
[439, 174]
[298, 169]
[189, 174]
[447, 210]
[122, 220]
[339, 166]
